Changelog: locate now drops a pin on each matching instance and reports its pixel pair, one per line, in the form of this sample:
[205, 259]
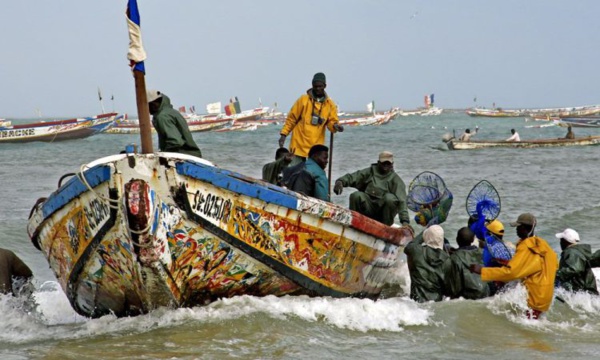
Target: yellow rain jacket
[535, 263]
[298, 122]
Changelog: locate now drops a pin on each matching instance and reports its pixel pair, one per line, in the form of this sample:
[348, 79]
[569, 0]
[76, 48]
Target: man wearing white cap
[381, 192]
[425, 257]
[574, 270]
[173, 132]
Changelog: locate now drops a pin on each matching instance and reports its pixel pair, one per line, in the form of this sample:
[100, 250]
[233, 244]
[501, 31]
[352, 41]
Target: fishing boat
[133, 232]
[589, 121]
[455, 144]
[538, 114]
[58, 130]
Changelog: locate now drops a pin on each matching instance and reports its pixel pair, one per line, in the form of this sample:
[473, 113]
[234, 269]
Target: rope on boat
[108, 201]
[111, 204]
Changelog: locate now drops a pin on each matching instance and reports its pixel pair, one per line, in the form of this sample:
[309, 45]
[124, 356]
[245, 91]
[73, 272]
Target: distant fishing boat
[57, 130]
[454, 144]
[538, 114]
[589, 122]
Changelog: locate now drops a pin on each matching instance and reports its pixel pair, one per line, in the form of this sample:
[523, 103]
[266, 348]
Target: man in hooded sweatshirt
[310, 115]
[425, 257]
[173, 132]
[574, 269]
[459, 281]
[534, 263]
[381, 192]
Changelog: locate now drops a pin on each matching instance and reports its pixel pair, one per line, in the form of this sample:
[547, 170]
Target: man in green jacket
[381, 192]
[574, 269]
[458, 279]
[425, 257]
[272, 172]
[173, 132]
[309, 177]
[12, 268]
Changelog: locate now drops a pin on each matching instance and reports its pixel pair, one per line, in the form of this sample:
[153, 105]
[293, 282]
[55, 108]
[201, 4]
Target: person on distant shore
[459, 281]
[381, 192]
[309, 177]
[273, 171]
[515, 136]
[173, 132]
[12, 268]
[425, 257]
[574, 269]
[466, 136]
[310, 115]
[570, 133]
[534, 262]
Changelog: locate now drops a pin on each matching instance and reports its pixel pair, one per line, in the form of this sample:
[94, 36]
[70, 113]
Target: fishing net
[429, 198]
[485, 198]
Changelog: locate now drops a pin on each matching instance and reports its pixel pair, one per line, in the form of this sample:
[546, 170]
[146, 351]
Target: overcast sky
[516, 53]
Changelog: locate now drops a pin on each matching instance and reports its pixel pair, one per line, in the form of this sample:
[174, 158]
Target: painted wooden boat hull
[480, 144]
[165, 229]
[58, 130]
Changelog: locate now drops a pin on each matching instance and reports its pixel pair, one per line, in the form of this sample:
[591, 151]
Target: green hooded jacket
[459, 280]
[373, 183]
[173, 132]
[574, 269]
[425, 266]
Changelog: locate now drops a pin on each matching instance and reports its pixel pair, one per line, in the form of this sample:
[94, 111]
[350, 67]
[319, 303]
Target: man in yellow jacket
[534, 262]
[308, 118]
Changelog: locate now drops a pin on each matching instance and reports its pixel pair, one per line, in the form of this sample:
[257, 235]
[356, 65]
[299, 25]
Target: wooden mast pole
[143, 112]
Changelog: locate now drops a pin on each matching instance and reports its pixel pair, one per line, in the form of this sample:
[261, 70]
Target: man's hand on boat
[338, 187]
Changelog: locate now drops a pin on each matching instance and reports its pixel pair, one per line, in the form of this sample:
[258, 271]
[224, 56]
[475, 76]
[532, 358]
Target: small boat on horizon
[57, 130]
[455, 144]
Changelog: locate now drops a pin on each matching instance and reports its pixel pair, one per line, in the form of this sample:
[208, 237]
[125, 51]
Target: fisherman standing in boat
[466, 136]
[12, 268]
[534, 262]
[173, 132]
[273, 171]
[312, 113]
[381, 192]
[308, 177]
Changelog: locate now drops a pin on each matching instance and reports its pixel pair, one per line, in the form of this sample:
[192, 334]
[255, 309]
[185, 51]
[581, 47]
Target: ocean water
[558, 185]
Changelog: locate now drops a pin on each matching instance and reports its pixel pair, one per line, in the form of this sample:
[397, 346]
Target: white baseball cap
[153, 95]
[569, 235]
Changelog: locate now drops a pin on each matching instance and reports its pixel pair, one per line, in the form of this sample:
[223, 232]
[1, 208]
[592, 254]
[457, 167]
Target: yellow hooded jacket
[536, 264]
[298, 122]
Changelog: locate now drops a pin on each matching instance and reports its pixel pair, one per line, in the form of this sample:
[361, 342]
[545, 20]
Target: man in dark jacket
[458, 279]
[574, 269]
[381, 192]
[309, 177]
[425, 257]
[173, 132]
[11, 267]
[273, 171]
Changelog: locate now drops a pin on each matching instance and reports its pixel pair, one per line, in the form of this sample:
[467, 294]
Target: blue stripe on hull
[239, 183]
[74, 187]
